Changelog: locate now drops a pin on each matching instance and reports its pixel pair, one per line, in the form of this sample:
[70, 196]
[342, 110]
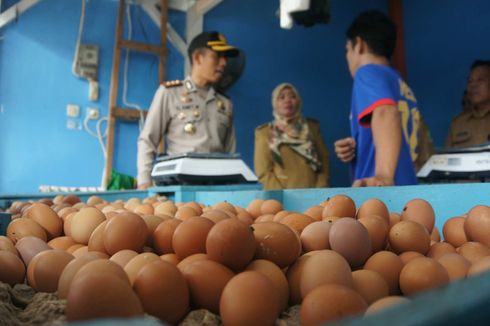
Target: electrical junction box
[87, 61]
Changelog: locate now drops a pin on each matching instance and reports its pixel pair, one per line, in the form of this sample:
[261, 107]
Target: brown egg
[271, 206]
[171, 258]
[94, 296]
[330, 302]
[385, 303]
[206, 280]
[63, 243]
[94, 200]
[163, 291]
[473, 251]
[254, 207]
[23, 227]
[73, 248]
[409, 236]
[84, 222]
[28, 247]
[435, 235]
[439, 249]
[456, 265]
[125, 231]
[297, 221]
[144, 209]
[378, 231]
[249, 298]
[339, 206]
[71, 199]
[44, 270]
[122, 257]
[276, 242]
[165, 208]
[351, 239]
[276, 275]
[190, 236]
[374, 206]
[80, 251]
[370, 285]
[215, 215]
[133, 267]
[162, 236]
[264, 218]
[7, 245]
[389, 266]
[394, 218]
[132, 203]
[226, 207]
[315, 236]
[231, 243]
[420, 211]
[314, 212]
[186, 212]
[481, 266]
[190, 259]
[293, 275]
[196, 206]
[152, 221]
[278, 216]
[453, 231]
[477, 224]
[324, 267]
[96, 240]
[67, 223]
[409, 255]
[47, 219]
[331, 219]
[421, 274]
[13, 270]
[69, 272]
[244, 216]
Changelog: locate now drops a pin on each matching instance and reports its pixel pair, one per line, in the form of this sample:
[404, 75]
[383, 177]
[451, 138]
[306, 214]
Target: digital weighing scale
[471, 163]
[196, 168]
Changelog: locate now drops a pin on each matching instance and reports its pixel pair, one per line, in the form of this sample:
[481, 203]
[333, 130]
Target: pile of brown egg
[125, 259]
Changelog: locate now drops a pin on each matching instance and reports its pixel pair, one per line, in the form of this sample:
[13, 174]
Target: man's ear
[361, 45]
[196, 57]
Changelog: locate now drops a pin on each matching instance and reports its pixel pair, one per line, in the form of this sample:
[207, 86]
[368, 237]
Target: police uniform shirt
[469, 129]
[186, 122]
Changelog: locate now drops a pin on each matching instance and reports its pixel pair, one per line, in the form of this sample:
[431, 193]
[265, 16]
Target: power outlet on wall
[93, 113]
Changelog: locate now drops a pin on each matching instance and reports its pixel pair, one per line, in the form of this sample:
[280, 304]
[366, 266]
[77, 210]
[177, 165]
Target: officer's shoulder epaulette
[172, 83]
[262, 126]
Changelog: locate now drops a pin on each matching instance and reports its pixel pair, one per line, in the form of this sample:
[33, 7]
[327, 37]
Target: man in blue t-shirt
[384, 116]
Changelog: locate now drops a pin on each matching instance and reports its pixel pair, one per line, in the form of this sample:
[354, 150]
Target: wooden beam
[128, 114]
[15, 11]
[111, 123]
[163, 39]
[396, 14]
[143, 47]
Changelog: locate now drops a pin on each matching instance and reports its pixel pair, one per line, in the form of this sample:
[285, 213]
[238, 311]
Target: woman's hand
[345, 149]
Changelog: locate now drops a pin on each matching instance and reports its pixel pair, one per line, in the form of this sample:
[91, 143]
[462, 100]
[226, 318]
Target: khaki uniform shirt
[185, 122]
[296, 172]
[469, 129]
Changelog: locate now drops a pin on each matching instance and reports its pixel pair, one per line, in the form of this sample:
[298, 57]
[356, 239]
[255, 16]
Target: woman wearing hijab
[289, 151]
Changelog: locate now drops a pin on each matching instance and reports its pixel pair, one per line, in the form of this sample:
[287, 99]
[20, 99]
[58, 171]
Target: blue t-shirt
[376, 85]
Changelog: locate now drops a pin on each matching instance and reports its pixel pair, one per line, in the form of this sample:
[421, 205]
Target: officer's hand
[376, 181]
[144, 186]
[345, 149]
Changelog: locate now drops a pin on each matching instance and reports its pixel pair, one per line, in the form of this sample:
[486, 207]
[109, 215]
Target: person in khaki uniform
[289, 151]
[190, 115]
[472, 127]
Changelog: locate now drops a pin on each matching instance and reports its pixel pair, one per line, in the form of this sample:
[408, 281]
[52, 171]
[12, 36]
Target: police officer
[472, 126]
[190, 115]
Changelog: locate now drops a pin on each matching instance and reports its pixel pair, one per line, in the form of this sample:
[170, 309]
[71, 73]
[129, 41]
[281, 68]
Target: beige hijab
[292, 132]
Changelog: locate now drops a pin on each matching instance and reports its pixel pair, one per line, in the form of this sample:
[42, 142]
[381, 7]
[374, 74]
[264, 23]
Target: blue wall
[36, 82]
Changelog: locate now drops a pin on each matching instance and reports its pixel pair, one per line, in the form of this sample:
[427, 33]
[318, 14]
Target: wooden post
[163, 39]
[111, 123]
[396, 14]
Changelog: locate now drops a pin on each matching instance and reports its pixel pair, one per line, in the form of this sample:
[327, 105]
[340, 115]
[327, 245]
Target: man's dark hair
[377, 30]
[480, 63]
